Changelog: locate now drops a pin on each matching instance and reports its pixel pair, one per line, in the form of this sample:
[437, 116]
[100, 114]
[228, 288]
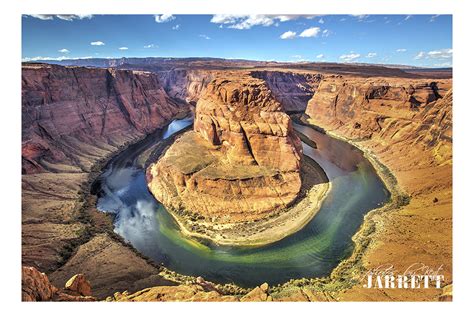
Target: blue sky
[420, 40]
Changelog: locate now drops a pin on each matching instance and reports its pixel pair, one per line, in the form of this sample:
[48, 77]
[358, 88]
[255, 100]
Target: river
[311, 252]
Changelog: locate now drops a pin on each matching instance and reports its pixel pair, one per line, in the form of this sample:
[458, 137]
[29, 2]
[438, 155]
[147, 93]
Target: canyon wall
[72, 118]
[248, 122]
[185, 84]
[292, 89]
[364, 108]
[72, 115]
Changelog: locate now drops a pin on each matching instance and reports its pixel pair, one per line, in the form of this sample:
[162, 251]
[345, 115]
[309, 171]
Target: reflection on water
[313, 251]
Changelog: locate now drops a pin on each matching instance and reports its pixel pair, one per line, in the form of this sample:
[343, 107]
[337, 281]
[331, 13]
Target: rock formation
[240, 164]
[35, 286]
[70, 115]
[407, 126]
[79, 284]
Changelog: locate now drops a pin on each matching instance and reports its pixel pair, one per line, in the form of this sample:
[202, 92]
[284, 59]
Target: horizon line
[60, 59]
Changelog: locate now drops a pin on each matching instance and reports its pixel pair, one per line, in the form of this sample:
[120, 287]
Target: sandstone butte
[73, 118]
[233, 177]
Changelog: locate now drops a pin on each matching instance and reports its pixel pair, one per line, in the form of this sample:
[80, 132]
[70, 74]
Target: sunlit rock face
[241, 162]
[249, 125]
[374, 107]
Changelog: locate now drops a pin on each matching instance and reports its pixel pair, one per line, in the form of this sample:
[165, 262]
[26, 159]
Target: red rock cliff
[71, 113]
[363, 108]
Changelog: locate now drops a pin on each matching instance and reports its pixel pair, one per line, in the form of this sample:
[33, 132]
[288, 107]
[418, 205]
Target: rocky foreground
[76, 117]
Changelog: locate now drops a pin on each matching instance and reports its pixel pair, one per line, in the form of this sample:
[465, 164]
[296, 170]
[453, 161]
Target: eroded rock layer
[71, 115]
[364, 108]
[241, 163]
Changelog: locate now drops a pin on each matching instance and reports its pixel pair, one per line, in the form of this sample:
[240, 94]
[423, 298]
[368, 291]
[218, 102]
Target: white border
[11, 136]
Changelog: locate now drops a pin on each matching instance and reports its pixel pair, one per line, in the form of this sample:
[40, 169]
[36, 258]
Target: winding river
[311, 252]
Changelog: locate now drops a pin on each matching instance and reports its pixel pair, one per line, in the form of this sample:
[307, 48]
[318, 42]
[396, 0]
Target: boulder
[79, 284]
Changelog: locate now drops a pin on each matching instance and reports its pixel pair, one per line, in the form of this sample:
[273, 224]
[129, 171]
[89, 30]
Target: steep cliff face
[241, 162]
[71, 115]
[293, 90]
[365, 108]
[185, 84]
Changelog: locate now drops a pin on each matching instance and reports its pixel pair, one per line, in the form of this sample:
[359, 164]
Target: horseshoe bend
[239, 177]
[208, 179]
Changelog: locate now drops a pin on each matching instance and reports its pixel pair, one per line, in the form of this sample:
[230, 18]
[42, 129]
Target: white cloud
[38, 58]
[297, 58]
[441, 54]
[311, 32]
[123, 48]
[320, 56]
[408, 17]
[176, 27]
[204, 36]
[97, 43]
[65, 17]
[349, 57]
[361, 17]
[163, 18]
[321, 21]
[401, 50]
[445, 53]
[64, 51]
[150, 46]
[434, 17]
[371, 55]
[242, 22]
[288, 35]
[245, 22]
[326, 33]
[420, 55]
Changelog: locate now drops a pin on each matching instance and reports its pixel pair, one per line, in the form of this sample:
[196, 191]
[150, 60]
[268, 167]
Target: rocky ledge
[238, 175]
